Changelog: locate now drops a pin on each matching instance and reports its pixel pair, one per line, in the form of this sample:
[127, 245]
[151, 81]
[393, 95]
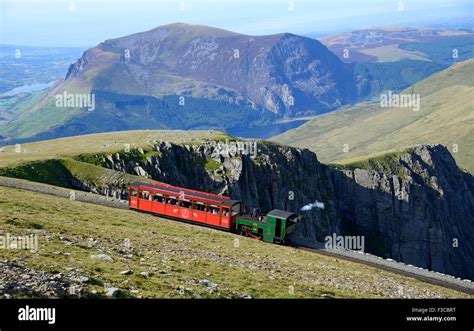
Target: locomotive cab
[273, 227]
[284, 224]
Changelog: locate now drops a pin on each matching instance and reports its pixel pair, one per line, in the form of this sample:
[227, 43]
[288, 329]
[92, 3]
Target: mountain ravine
[414, 206]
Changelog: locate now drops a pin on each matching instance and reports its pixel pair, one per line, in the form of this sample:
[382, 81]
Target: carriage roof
[196, 195]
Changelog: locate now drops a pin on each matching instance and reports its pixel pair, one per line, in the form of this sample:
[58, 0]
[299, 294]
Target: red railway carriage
[182, 203]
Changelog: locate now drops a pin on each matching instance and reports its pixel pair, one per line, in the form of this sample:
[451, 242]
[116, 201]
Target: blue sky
[88, 22]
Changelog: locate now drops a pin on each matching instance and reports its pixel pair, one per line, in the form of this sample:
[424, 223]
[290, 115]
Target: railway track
[452, 283]
[370, 260]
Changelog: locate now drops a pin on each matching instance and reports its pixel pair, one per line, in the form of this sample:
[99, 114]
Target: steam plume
[315, 204]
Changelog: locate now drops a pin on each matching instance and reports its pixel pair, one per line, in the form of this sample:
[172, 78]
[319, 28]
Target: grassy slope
[62, 172]
[99, 143]
[62, 161]
[179, 255]
[15, 105]
[446, 116]
[392, 53]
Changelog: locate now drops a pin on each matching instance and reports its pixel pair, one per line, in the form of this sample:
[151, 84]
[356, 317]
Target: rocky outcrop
[417, 208]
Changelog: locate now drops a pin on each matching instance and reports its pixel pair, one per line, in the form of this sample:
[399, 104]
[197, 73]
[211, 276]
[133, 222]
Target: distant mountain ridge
[200, 61]
[393, 43]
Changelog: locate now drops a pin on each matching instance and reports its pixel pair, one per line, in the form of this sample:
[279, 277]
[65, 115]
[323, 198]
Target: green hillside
[446, 116]
[87, 250]
[100, 143]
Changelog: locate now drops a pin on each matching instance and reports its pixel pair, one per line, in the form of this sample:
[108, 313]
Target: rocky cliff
[414, 206]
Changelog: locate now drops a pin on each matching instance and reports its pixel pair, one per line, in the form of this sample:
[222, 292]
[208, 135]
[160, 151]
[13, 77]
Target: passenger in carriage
[158, 198]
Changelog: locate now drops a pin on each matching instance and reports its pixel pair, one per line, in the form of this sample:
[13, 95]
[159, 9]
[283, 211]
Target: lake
[264, 131]
[29, 88]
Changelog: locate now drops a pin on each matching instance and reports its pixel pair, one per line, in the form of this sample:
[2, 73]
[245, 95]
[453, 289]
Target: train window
[236, 209]
[213, 210]
[158, 198]
[145, 195]
[278, 227]
[185, 204]
[199, 206]
[134, 193]
[225, 211]
[172, 201]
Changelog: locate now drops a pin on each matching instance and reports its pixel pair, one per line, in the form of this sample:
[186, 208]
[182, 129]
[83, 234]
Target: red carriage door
[225, 218]
[213, 215]
[144, 200]
[185, 211]
[199, 212]
[133, 197]
[158, 205]
[172, 208]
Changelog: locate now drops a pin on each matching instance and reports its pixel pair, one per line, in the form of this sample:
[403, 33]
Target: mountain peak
[195, 29]
[198, 30]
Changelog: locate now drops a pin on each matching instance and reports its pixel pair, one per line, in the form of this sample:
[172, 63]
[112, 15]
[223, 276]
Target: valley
[365, 130]
[27, 65]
